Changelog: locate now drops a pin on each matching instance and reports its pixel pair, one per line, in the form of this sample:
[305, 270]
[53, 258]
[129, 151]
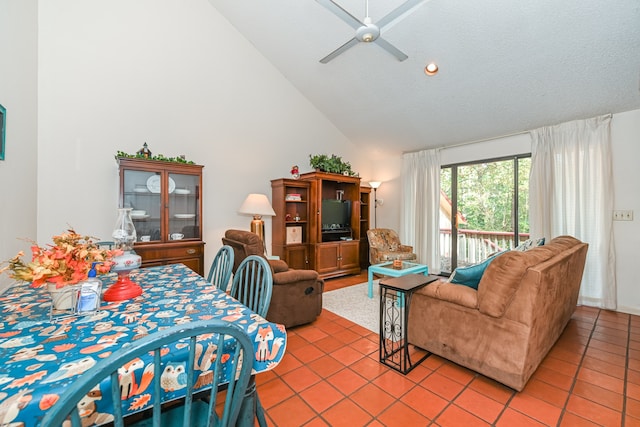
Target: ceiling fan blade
[390, 48]
[397, 14]
[341, 13]
[354, 41]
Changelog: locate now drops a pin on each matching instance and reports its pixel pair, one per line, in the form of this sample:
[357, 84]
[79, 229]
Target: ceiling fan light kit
[366, 30]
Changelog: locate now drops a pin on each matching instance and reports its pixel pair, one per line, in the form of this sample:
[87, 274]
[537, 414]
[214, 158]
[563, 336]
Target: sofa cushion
[471, 275]
[457, 294]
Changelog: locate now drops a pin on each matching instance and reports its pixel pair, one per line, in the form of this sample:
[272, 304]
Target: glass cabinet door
[142, 193]
[184, 206]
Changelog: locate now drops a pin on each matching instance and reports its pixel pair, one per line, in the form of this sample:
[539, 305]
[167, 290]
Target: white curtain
[420, 212]
[571, 192]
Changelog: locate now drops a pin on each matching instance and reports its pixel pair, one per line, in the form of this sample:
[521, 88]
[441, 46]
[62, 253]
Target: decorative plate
[185, 216]
[153, 184]
[183, 191]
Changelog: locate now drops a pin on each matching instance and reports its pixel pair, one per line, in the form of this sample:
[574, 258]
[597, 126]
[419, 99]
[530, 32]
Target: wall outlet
[623, 215]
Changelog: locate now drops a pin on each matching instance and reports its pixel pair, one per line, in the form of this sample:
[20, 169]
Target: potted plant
[333, 164]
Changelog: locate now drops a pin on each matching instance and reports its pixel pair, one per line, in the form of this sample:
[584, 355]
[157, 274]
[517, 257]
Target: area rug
[353, 304]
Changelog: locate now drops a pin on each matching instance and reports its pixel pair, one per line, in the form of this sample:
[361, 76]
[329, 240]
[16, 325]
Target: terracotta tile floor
[330, 376]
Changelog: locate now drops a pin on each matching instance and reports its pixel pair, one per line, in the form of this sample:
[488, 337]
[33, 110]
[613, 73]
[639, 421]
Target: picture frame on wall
[294, 235]
[3, 127]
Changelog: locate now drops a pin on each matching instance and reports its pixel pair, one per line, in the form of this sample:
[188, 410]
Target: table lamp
[257, 205]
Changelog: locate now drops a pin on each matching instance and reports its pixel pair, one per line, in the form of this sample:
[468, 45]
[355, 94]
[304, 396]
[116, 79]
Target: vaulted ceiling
[505, 66]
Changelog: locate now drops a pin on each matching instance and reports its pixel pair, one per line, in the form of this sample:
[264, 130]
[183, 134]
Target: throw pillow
[471, 275]
[529, 244]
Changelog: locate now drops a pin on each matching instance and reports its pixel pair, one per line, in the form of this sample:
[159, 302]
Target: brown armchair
[297, 294]
[384, 245]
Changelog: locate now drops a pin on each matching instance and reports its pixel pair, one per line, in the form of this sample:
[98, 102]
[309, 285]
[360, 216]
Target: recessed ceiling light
[431, 69]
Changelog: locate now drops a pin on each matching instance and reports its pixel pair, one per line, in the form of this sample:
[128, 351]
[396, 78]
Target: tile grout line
[575, 376]
[626, 375]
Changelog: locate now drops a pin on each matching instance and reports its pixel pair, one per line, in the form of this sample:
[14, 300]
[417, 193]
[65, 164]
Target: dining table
[40, 355]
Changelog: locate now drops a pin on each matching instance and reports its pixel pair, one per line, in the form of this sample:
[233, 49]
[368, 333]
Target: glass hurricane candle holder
[124, 234]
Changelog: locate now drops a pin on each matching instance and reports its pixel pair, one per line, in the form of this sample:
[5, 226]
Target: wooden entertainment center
[321, 223]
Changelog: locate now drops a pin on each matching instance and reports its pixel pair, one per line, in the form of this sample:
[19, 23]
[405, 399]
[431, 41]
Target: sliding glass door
[484, 208]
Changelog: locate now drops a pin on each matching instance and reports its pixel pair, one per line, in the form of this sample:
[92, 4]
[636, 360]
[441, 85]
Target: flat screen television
[336, 214]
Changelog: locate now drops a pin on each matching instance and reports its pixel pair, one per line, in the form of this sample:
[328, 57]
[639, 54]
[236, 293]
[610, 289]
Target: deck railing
[474, 245]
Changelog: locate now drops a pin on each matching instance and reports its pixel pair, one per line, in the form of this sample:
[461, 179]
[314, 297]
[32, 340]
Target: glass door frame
[454, 200]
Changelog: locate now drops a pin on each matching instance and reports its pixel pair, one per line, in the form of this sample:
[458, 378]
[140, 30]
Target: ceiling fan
[366, 30]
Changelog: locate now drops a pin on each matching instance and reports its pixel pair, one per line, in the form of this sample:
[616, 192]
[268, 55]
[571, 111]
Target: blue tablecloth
[39, 359]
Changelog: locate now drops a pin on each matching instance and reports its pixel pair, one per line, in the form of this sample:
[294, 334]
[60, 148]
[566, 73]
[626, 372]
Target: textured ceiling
[506, 66]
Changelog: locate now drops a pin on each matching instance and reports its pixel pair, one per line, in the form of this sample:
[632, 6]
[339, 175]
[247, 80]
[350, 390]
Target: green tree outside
[486, 192]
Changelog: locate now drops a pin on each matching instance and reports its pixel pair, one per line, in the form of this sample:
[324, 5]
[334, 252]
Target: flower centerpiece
[66, 262]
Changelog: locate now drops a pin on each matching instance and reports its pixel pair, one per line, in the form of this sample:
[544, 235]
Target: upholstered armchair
[384, 245]
[297, 294]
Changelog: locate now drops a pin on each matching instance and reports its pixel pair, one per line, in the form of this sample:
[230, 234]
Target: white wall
[18, 72]
[178, 76]
[625, 137]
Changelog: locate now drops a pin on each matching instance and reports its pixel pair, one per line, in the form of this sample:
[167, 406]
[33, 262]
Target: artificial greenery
[159, 157]
[333, 164]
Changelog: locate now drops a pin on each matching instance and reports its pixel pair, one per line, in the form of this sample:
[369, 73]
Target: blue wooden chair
[221, 268]
[194, 412]
[252, 286]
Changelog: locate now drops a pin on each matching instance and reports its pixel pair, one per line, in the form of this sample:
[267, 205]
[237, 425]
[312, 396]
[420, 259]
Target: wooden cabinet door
[297, 257]
[327, 257]
[350, 255]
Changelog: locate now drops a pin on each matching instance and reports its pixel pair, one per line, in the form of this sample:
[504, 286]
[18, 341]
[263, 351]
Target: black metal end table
[395, 300]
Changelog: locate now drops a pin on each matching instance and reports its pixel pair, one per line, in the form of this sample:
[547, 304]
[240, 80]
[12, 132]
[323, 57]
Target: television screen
[336, 213]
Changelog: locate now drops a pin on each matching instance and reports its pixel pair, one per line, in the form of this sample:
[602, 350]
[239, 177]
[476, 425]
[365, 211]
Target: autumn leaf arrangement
[65, 262]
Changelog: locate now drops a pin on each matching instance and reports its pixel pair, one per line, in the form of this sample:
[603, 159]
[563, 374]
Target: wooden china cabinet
[166, 202]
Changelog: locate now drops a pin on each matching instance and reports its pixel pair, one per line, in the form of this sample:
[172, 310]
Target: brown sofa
[505, 328]
[297, 294]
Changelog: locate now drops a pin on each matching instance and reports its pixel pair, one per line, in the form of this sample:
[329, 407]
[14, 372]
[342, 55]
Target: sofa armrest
[405, 248]
[278, 265]
[292, 275]
[500, 282]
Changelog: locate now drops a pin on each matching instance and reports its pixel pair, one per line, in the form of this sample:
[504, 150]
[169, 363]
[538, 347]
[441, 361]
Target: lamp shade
[256, 204]
[374, 184]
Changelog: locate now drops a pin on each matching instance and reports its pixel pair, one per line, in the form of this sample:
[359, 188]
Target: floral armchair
[384, 245]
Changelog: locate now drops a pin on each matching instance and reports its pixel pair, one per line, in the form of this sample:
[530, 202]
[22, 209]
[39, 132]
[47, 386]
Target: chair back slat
[157, 388]
[221, 268]
[189, 398]
[115, 397]
[253, 284]
[228, 337]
